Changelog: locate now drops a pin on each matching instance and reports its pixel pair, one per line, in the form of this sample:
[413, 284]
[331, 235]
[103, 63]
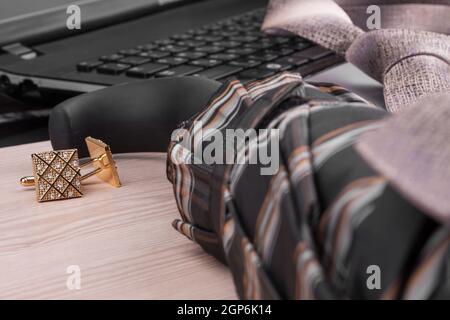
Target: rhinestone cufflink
[57, 174]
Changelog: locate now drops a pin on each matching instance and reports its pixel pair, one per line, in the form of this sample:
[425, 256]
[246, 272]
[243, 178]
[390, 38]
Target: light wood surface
[121, 239]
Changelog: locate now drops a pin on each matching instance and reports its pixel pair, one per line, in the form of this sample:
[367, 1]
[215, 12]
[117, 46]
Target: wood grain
[120, 238]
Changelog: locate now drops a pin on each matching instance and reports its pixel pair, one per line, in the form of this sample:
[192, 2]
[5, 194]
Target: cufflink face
[57, 175]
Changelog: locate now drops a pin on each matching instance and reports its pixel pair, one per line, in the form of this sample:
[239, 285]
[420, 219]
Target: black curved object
[134, 117]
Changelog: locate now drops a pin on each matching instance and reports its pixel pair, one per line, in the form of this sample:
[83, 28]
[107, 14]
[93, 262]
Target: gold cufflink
[57, 174]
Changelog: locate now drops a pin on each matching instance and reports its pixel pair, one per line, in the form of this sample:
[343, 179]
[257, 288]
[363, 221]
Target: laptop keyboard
[234, 47]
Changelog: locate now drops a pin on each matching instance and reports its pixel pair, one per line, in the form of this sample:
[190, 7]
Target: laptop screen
[20, 9]
[22, 20]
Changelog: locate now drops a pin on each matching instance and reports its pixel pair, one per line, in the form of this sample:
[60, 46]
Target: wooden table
[121, 239]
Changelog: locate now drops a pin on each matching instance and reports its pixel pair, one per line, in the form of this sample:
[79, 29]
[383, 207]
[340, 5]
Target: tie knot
[411, 64]
[377, 52]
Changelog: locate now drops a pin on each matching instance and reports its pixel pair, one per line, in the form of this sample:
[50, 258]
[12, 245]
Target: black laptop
[121, 41]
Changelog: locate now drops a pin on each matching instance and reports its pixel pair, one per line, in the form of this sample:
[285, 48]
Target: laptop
[121, 41]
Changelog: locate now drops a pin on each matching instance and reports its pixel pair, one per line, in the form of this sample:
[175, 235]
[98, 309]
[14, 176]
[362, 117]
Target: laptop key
[88, 66]
[263, 56]
[129, 52]
[224, 56]
[148, 46]
[277, 67]
[229, 33]
[209, 49]
[258, 34]
[154, 54]
[216, 33]
[214, 26]
[255, 74]
[314, 53]
[179, 71]
[208, 38]
[146, 70]
[191, 43]
[261, 45]
[248, 27]
[198, 32]
[245, 63]
[300, 46]
[134, 61]
[182, 37]
[278, 40]
[207, 63]
[173, 61]
[111, 57]
[243, 38]
[164, 42]
[314, 66]
[191, 55]
[294, 61]
[284, 51]
[173, 49]
[273, 51]
[113, 68]
[241, 51]
[227, 44]
[219, 72]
